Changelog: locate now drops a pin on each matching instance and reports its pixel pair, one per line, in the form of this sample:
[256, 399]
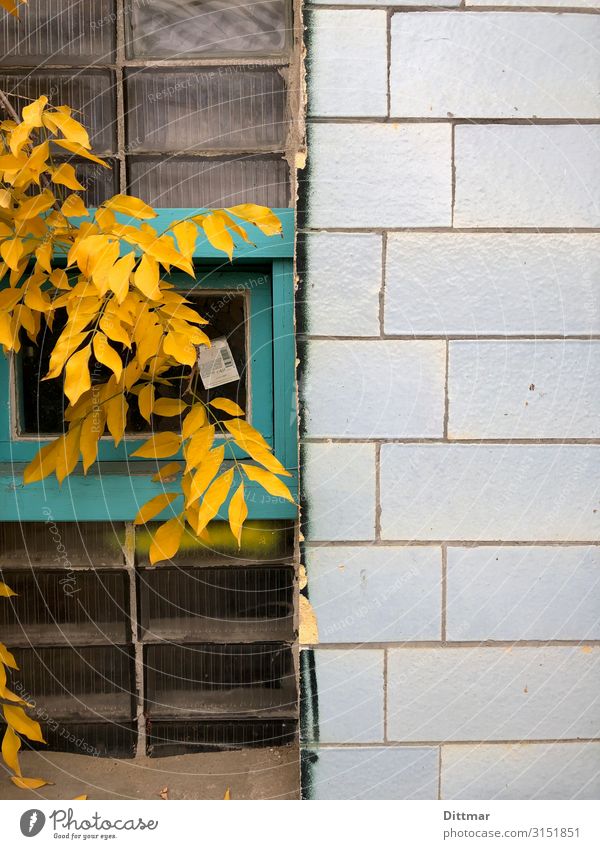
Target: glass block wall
[188, 99]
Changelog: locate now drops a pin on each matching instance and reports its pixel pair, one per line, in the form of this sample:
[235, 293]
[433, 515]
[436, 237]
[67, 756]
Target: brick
[354, 388]
[412, 162]
[492, 283]
[490, 492]
[517, 771]
[527, 176]
[531, 65]
[350, 696]
[392, 772]
[477, 694]
[340, 296]
[373, 594]
[535, 389]
[339, 43]
[339, 482]
[523, 593]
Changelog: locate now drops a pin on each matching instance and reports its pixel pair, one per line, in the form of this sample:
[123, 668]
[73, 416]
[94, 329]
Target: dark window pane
[218, 109]
[59, 32]
[196, 182]
[89, 93]
[187, 28]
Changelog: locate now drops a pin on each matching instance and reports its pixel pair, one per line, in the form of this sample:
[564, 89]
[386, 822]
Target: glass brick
[61, 544]
[205, 109]
[189, 28]
[90, 93]
[197, 182]
[59, 32]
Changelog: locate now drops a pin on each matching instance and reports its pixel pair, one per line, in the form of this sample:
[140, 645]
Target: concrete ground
[250, 774]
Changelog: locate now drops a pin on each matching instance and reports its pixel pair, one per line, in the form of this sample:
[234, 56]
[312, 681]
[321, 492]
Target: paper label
[216, 364]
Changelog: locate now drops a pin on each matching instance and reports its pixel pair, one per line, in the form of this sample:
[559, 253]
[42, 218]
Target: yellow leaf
[194, 420]
[227, 794]
[35, 206]
[74, 207]
[160, 445]
[186, 233]
[79, 798]
[118, 279]
[178, 346]
[116, 417]
[264, 457]
[261, 216]
[67, 453]
[130, 206]
[167, 471]
[5, 591]
[11, 6]
[19, 137]
[11, 252]
[198, 446]
[69, 127]
[74, 147]
[29, 783]
[64, 175]
[59, 279]
[146, 401]
[43, 464]
[22, 723]
[77, 376]
[213, 498]
[238, 428]
[11, 743]
[32, 114]
[227, 406]
[167, 540]
[6, 333]
[155, 506]
[146, 277]
[107, 355]
[115, 330]
[7, 658]
[169, 407]
[92, 429]
[208, 469]
[238, 513]
[43, 255]
[218, 235]
[6, 693]
[37, 300]
[268, 481]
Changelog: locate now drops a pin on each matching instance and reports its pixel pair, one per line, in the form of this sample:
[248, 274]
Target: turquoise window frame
[118, 486]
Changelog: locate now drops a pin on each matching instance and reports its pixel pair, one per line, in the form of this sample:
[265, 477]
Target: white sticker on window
[216, 364]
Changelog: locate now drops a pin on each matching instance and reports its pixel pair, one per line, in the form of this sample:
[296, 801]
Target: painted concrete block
[492, 283]
[360, 388]
[555, 4]
[339, 482]
[532, 65]
[392, 772]
[342, 284]
[349, 692]
[479, 694]
[527, 176]
[349, 162]
[447, 3]
[490, 492]
[347, 62]
[375, 593]
[517, 771]
[523, 593]
[524, 390]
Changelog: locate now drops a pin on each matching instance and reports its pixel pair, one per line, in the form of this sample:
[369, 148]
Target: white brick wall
[450, 364]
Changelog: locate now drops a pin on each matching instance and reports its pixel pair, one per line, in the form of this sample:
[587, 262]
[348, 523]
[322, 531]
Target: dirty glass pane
[166, 739]
[90, 93]
[77, 683]
[188, 28]
[59, 32]
[61, 544]
[263, 541]
[52, 607]
[195, 182]
[208, 678]
[42, 402]
[227, 604]
[205, 109]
